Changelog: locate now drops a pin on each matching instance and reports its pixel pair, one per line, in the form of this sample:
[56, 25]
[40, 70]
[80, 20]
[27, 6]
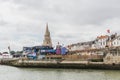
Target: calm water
[12, 73]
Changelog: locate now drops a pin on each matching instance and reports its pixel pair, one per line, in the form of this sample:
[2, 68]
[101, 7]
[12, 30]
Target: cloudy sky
[23, 22]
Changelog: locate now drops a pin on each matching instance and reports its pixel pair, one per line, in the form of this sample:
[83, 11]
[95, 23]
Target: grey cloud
[63, 36]
[74, 11]
[2, 23]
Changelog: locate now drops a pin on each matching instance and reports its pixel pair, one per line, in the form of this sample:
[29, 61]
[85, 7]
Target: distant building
[108, 41]
[5, 55]
[82, 46]
[101, 41]
[114, 40]
[47, 39]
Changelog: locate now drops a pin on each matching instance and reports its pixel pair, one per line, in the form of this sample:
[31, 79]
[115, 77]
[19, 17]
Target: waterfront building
[47, 39]
[108, 41]
[82, 46]
[5, 55]
[93, 47]
[114, 40]
[101, 41]
[26, 50]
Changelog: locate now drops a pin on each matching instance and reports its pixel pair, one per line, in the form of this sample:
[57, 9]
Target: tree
[12, 52]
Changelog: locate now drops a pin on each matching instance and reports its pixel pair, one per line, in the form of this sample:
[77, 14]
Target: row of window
[103, 43]
[114, 43]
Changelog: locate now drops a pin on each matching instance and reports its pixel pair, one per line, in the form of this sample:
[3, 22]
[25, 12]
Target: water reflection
[12, 73]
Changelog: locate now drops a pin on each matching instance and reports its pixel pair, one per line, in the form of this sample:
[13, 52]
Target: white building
[83, 46]
[108, 41]
[101, 41]
[5, 55]
[115, 41]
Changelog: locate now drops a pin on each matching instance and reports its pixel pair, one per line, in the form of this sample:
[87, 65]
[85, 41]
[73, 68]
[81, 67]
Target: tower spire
[47, 30]
[47, 39]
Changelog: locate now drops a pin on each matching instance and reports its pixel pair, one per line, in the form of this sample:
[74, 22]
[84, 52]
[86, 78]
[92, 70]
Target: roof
[83, 43]
[115, 38]
[102, 37]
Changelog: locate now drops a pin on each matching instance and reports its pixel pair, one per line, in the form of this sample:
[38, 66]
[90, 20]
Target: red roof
[102, 36]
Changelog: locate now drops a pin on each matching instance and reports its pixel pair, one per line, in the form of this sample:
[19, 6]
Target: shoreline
[60, 64]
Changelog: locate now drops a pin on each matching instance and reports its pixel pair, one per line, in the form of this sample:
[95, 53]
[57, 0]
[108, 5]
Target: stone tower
[47, 39]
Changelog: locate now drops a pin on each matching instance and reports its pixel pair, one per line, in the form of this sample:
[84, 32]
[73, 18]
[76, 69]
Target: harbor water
[13, 73]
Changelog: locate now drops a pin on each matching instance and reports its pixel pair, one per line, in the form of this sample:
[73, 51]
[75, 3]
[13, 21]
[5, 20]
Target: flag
[108, 31]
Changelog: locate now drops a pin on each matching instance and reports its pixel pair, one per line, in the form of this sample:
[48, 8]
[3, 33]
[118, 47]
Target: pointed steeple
[47, 39]
[47, 33]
